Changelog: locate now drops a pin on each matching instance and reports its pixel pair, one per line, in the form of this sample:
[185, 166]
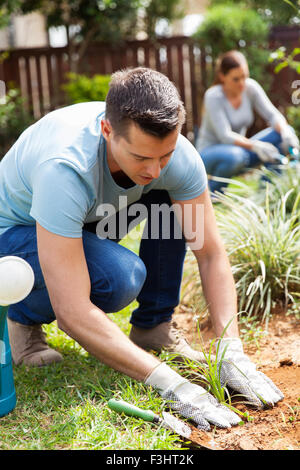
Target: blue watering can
[16, 282]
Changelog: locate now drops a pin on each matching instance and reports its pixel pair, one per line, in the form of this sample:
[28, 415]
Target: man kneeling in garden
[57, 183]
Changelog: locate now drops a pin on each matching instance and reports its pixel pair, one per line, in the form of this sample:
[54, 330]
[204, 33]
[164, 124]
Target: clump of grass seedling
[251, 330]
[207, 373]
[294, 310]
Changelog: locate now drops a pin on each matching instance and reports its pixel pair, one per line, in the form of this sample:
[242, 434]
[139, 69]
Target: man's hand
[240, 374]
[190, 400]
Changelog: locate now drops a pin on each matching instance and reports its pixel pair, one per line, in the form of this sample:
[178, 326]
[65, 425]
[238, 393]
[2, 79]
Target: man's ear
[106, 129]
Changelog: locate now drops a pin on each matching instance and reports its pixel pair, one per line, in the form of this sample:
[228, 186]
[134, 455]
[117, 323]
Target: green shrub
[293, 117]
[14, 118]
[233, 26]
[81, 88]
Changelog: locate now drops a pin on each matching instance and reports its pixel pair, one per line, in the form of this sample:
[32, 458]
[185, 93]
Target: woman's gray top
[222, 123]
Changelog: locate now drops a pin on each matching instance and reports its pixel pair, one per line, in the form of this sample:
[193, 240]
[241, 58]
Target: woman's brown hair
[226, 62]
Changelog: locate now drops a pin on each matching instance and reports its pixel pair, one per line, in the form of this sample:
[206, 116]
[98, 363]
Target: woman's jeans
[226, 161]
[118, 276]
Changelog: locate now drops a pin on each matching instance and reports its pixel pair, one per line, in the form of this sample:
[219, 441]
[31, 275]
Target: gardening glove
[240, 374]
[289, 139]
[265, 151]
[190, 400]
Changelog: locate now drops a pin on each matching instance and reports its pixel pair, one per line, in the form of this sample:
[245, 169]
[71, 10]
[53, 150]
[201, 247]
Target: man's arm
[214, 267]
[236, 370]
[67, 279]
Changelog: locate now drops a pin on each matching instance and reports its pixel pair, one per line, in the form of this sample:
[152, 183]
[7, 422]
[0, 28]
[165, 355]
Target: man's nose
[155, 169]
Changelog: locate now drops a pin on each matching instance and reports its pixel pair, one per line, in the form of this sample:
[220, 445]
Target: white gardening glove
[265, 151]
[190, 400]
[289, 139]
[241, 375]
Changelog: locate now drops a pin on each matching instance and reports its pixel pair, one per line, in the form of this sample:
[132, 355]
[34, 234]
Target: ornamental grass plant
[263, 244]
[284, 186]
[261, 234]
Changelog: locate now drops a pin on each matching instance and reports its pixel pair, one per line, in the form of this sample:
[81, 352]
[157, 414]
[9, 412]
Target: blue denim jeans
[226, 161]
[118, 276]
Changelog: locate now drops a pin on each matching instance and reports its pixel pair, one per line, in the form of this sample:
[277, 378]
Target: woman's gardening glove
[190, 400]
[265, 151]
[240, 374]
[289, 139]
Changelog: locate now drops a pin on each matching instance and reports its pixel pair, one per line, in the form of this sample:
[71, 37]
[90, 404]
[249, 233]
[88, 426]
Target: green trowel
[167, 420]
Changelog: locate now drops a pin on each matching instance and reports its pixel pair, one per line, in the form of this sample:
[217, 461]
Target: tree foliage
[95, 19]
[157, 9]
[275, 12]
[91, 20]
[231, 26]
[6, 9]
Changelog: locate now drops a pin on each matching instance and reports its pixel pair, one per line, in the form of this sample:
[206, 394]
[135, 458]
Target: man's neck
[118, 175]
[112, 165]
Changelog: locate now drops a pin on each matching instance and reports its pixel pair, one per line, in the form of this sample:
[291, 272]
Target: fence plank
[195, 111]
[28, 82]
[50, 81]
[40, 84]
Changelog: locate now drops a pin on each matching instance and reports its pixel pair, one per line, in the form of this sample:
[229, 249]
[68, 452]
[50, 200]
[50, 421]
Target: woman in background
[229, 107]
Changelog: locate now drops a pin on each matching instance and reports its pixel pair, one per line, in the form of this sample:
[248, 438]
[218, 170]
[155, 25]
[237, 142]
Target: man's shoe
[28, 345]
[165, 336]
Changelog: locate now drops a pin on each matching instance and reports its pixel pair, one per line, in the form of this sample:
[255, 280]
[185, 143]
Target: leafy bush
[81, 88]
[232, 26]
[293, 117]
[14, 118]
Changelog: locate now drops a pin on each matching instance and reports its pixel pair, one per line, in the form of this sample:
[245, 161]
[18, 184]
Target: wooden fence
[40, 72]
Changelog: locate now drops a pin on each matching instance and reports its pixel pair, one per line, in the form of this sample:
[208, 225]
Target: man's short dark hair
[147, 98]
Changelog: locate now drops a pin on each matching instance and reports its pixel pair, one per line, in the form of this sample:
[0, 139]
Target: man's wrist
[230, 345]
[163, 377]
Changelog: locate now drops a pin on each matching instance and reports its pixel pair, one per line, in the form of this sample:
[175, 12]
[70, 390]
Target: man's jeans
[226, 161]
[118, 276]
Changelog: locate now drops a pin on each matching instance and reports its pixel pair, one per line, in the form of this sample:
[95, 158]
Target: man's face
[139, 155]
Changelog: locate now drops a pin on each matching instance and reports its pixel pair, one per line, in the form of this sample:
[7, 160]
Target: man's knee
[130, 283]
[123, 284]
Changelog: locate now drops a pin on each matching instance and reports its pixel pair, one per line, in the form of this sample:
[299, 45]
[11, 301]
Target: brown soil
[278, 356]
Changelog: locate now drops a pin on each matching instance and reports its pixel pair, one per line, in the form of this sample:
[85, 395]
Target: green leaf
[295, 52]
[281, 66]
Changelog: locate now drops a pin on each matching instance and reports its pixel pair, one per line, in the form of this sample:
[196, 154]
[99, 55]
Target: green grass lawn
[64, 406]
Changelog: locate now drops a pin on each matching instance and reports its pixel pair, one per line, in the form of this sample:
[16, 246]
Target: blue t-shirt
[57, 173]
